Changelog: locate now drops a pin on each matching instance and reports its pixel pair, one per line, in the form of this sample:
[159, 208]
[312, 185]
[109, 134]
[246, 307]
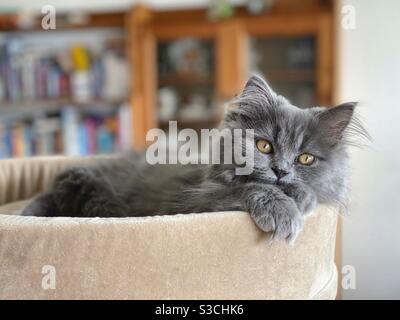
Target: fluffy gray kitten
[299, 160]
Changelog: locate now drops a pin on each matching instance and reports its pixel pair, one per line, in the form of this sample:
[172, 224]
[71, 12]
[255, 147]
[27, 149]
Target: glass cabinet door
[186, 83]
[289, 66]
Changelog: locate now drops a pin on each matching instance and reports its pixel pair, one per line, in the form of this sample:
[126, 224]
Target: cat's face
[293, 144]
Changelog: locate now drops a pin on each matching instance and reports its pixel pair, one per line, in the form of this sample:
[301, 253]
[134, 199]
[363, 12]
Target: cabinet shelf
[291, 75]
[182, 79]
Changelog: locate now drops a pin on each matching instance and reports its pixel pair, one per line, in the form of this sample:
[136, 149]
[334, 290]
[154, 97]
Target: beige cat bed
[220, 255]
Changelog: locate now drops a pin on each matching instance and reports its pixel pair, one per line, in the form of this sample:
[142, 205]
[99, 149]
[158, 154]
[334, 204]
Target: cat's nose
[279, 172]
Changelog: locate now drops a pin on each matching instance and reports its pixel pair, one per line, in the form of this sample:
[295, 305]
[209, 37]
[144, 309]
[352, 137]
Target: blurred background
[92, 77]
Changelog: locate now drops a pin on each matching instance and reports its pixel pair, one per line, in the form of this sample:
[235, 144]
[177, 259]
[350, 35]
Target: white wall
[370, 73]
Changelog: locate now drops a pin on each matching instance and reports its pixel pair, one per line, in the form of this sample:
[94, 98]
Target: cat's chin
[273, 181]
[281, 183]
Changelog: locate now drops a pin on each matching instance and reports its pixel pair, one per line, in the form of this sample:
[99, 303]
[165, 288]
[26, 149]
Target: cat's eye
[264, 146]
[306, 159]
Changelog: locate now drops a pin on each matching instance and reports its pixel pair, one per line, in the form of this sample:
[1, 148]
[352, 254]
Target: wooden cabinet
[185, 66]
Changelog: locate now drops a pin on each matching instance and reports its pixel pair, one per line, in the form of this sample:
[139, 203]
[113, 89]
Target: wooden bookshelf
[98, 112]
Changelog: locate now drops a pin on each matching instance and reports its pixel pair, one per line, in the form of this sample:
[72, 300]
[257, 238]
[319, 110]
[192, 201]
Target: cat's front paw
[279, 216]
[303, 196]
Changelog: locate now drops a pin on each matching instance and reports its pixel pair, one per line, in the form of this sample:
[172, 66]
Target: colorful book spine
[78, 73]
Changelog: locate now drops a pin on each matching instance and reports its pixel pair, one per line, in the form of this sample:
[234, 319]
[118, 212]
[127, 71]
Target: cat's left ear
[256, 86]
[334, 121]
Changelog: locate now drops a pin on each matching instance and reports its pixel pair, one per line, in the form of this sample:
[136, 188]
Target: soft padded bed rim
[220, 255]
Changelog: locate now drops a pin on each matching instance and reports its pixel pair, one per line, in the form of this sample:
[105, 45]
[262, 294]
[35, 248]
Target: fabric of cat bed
[218, 255]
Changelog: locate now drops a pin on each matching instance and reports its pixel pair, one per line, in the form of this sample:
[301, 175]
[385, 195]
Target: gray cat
[299, 160]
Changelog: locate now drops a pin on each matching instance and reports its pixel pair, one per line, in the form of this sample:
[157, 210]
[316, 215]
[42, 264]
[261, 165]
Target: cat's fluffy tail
[42, 206]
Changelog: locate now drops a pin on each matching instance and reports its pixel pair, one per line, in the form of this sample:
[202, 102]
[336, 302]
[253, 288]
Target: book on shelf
[33, 73]
[72, 132]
